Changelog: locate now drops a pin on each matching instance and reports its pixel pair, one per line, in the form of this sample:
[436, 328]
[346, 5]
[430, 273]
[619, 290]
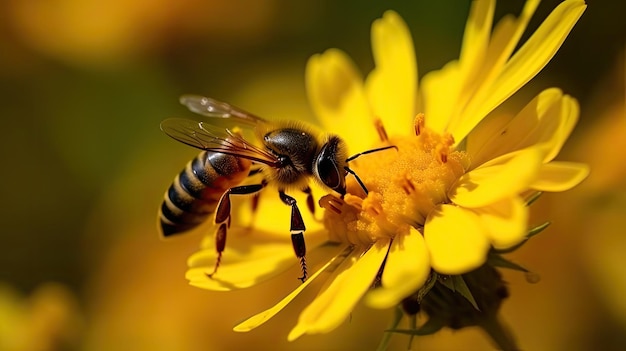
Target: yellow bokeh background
[84, 85]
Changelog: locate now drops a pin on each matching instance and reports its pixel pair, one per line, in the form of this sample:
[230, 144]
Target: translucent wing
[218, 109]
[211, 138]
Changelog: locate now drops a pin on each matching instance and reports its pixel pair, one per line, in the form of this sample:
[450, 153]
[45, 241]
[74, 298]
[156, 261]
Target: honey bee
[292, 153]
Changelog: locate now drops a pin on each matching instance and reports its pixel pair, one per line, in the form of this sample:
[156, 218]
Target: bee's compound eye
[328, 173]
[328, 170]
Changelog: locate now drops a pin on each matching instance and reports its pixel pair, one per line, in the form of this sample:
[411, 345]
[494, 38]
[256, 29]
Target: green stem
[499, 333]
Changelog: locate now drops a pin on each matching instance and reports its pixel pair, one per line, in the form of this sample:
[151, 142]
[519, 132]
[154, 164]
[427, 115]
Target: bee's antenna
[353, 157]
[357, 179]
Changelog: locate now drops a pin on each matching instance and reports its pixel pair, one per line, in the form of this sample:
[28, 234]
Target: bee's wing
[211, 138]
[217, 109]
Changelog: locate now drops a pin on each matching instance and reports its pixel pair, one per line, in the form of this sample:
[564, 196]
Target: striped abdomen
[196, 191]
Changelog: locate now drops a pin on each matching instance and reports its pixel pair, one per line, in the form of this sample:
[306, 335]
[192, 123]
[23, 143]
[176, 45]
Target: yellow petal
[346, 286]
[504, 39]
[479, 145]
[477, 31]
[542, 45]
[560, 176]
[498, 179]
[474, 48]
[523, 66]
[338, 253]
[238, 273]
[505, 222]
[336, 94]
[406, 269]
[440, 89]
[549, 118]
[392, 86]
[456, 240]
[250, 257]
[567, 117]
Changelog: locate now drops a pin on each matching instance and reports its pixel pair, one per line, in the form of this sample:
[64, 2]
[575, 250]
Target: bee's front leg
[297, 229]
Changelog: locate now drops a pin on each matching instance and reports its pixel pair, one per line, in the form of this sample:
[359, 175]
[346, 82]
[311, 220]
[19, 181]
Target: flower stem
[499, 333]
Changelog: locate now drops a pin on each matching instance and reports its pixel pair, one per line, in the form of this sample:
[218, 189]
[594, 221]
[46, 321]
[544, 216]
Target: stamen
[330, 202]
[419, 123]
[408, 185]
[443, 148]
[372, 207]
[354, 201]
[382, 133]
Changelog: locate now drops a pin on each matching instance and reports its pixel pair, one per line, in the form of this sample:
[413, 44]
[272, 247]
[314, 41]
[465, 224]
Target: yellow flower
[48, 319]
[451, 191]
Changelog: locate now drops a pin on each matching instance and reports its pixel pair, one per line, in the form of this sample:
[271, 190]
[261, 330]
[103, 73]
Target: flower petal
[262, 317]
[503, 41]
[542, 45]
[567, 117]
[392, 86]
[336, 94]
[456, 240]
[498, 179]
[406, 269]
[440, 90]
[480, 145]
[522, 67]
[516, 133]
[477, 32]
[549, 118]
[251, 256]
[474, 48]
[347, 285]
[505, 222]
[560, 176]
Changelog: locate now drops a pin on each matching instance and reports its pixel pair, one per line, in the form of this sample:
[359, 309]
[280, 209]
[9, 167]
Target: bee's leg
[310, 202]
[297, 229]
[222, 218]
[254, 205]
[255, 202]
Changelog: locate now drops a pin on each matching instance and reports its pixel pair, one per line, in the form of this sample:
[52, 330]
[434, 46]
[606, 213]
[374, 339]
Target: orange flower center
[404, 186]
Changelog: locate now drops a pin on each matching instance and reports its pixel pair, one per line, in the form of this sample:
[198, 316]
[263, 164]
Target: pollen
[404, 186]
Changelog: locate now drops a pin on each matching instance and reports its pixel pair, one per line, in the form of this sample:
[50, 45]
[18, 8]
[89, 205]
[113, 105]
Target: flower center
[404, 187]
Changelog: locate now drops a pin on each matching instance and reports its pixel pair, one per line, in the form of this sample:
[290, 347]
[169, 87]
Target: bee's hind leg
[297, 229]
[222, 218]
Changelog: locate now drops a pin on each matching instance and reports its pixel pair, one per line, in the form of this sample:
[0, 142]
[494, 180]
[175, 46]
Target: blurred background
[85, 84]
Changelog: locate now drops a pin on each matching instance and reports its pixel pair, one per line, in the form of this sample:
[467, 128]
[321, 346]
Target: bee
[291, 154]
